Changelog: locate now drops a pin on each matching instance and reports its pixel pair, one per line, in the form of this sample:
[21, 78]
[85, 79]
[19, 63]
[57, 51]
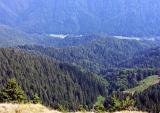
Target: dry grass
[32, 108]
[24, 108]
[119, 112]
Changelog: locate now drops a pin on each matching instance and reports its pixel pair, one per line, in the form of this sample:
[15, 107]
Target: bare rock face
[116, 17]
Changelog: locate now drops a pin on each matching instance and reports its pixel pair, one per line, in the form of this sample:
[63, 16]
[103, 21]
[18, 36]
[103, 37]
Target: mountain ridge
[112, 17]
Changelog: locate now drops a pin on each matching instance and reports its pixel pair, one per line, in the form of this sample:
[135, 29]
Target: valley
[97, 56]
[108, 61]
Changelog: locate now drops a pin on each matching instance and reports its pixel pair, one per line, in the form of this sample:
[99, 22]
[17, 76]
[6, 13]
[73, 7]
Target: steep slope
[114, 17]
[56, 83]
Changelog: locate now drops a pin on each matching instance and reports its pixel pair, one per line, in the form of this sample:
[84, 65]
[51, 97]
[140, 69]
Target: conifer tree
[12, 93]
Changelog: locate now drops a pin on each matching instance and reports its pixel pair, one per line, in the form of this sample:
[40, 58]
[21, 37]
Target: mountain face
[114, 17]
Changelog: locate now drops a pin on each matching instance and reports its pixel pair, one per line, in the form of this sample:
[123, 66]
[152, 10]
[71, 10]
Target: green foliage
[128, 103]
[36, 99]
[81, 109]
[124, 79]
[12, 93]
[116, 103]
[72, 86]
[100, 101]
[145, 59]
[54, 82]
[61, 108]
[99, 107]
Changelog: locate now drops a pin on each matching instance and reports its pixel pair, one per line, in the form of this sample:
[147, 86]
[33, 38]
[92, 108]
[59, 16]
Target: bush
[118, 103]
[36, 99]
[99, 105]
[61, 108]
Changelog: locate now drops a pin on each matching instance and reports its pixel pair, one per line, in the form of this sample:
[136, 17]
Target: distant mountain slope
[12, 37]
[114, 17]
[70, 40]
[148, 58]
[56, 83]
[98, 54]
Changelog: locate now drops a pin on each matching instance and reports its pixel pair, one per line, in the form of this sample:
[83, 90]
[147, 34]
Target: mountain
[113, 17]
[55, 83]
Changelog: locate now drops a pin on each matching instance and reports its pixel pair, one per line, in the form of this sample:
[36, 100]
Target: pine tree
[12, 93]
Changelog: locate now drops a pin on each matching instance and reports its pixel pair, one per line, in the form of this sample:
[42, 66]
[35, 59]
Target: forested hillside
[123, 63]
[102, 54]
[75, 70]
[149, 100]
[123, 79]
[55, 83]
[81, 55]
[148, 58]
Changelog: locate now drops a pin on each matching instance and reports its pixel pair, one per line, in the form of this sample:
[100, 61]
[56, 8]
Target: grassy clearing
[144, 84]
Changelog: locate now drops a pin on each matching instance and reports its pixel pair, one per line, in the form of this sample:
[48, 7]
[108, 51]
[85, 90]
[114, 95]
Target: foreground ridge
[37, 108]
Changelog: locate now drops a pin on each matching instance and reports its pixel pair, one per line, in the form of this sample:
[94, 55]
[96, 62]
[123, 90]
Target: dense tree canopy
[55, 83]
